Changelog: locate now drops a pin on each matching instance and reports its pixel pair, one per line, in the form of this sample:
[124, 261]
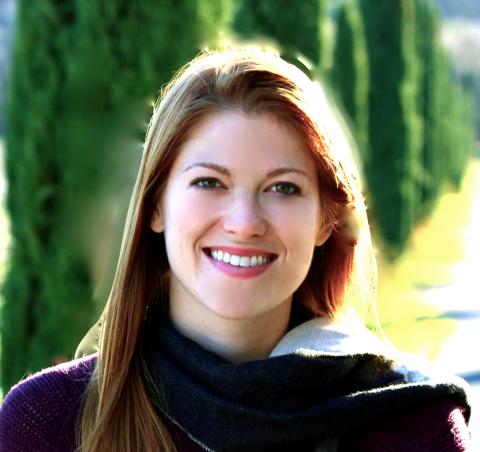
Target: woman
[246, 243]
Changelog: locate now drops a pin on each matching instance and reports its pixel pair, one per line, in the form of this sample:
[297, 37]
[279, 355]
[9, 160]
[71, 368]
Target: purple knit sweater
[40, 413]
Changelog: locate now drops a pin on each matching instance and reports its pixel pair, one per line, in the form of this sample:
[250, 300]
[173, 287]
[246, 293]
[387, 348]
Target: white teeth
[239, 261]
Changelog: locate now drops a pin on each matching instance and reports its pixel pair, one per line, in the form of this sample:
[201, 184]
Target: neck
[236, 340]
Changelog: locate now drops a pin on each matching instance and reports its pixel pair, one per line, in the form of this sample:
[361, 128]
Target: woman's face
[241, 217]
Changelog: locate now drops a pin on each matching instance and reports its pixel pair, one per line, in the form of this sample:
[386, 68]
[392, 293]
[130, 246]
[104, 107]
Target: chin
[233, 310]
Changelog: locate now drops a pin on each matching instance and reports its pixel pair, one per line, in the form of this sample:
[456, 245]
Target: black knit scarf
[289, 402]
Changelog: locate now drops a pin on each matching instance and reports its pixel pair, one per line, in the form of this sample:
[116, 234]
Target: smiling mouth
[240, 261]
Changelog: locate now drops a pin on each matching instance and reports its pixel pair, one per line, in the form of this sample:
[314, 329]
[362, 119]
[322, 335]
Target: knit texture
[439, 427]
[318, 387]
[40, 413]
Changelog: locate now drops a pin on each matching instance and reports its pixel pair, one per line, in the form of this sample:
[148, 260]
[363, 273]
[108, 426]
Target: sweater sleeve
[440, 427]
[40, 413]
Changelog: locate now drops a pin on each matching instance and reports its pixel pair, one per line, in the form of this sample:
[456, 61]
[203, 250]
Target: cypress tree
[47, 295]
[445, 115]
[297, 27]
[462, 119]
[393, 119]
[84, 75]
[350, 70]
[446, 111]
[456, 119]
[429, 106]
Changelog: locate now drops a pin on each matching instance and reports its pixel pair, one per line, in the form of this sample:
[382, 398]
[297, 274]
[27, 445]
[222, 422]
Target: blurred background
[77, 82]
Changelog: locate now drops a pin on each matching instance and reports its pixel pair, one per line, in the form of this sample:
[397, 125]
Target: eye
[285, 188]
[206, 183]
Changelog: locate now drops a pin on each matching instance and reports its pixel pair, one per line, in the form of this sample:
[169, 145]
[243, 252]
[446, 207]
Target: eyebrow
[226, 172]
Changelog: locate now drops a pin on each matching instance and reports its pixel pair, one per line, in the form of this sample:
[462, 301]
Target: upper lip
[241, 251]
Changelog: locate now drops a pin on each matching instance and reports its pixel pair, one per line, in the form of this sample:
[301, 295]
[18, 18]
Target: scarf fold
[313, 389]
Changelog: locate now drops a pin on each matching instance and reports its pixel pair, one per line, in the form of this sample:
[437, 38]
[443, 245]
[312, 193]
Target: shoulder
[409, 404]
[40, 412]
[439, 427]
[322, 336]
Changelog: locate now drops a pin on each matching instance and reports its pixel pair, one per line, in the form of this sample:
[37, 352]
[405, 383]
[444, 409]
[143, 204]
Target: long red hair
[117, 413]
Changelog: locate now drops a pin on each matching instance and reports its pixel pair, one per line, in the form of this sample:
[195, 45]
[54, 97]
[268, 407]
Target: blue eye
[286, 188]
[206, 183]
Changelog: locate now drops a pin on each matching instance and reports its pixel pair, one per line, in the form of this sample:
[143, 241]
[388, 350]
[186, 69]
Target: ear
[156, 223]
[323, 234]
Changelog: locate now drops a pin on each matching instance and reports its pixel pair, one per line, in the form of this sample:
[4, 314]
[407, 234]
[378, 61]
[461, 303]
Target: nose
[244, 218]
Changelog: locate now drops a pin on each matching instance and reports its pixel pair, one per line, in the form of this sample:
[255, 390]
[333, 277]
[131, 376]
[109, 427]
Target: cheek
[296, 226]
[187, 215]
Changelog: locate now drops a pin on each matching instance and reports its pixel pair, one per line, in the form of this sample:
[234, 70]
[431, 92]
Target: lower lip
[239, 272]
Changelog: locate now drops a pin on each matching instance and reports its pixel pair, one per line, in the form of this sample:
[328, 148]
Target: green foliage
[84, 75]
[215, 17]
[447, 113]
[472, 83]
[462, 116]
[431, 167]
[47, 298]
[393, 118]
[298, 27]
[456, 124]
[350, 71]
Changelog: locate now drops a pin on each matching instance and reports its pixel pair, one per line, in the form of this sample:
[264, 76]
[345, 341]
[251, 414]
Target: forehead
[251, 140]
